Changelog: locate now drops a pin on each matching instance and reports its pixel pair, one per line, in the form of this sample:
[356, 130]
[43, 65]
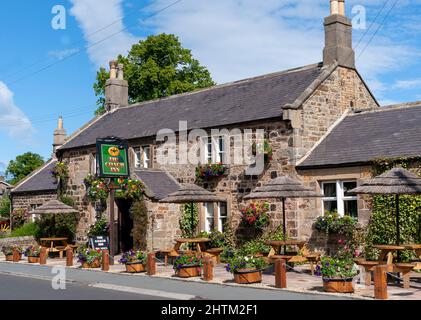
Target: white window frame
[93, 164]
[213, 151]
[208, 205]
[340, 197]
[142, 158]
[216, 216]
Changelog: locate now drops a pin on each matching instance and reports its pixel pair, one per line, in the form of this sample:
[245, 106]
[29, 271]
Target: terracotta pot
[247, 276]
[33, 259]
[339, 285]
[135, 267]
[95, 264]
[189, 271]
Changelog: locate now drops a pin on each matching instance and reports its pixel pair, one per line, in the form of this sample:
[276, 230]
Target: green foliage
[60, 171]
[133, 190]
[22, 166]
[28, 229]
[89, 255]
[382, 225]
[189, 220]
[336, 268]
[33, 251]
[5, 207]
[253, 247]
[57, 225]
[99, 228]
[155, 68]
[98, 190]
[8, 250]
[134, 256]
[67, 200]
[332, 222]
[186, 260]
[140, 224]
[19, 217]
[245, 262]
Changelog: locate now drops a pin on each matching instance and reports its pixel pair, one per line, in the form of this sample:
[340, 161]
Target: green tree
[154, 68]
[4, 206]
[22, 166]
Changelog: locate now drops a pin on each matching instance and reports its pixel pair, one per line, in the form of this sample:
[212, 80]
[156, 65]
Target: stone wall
[20, 241]
[342, 91]
[25, 201]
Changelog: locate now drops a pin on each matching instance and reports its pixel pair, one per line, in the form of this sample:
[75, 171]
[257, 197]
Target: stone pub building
[322, 122]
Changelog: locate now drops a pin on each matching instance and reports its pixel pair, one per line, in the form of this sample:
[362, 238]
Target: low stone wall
[21, 241]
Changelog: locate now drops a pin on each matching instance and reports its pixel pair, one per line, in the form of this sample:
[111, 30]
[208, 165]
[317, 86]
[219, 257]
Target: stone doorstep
[169, 275]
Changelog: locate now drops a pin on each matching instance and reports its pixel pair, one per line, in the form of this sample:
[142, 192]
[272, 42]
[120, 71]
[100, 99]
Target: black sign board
[99, 242]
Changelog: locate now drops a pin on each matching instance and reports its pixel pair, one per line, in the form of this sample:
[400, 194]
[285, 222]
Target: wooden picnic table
[200, 243]
[275, 253]
[49, 243]
[386, 255]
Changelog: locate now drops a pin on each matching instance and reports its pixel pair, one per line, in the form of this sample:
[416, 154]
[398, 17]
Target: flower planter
[135, 267]
[247, 276]
[9, 257]
[33, 259]
[95, 264]
[338, 285]
[189, 271]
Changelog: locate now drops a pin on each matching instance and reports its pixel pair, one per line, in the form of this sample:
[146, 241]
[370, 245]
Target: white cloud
[408, 84]
[12, 120]
[61, 54]
[94, 15]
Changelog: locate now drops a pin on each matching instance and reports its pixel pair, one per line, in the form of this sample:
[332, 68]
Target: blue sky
[45, 72]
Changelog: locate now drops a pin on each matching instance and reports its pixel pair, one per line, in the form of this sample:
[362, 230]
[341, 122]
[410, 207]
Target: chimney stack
[59, 135]
[338, 37]
[116, 88]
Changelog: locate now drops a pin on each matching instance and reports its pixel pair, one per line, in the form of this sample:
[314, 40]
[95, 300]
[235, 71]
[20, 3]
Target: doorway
[125, 225]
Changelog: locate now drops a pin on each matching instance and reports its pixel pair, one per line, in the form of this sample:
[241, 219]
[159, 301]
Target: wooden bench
[405, 269]
[215, 253]
[168, 253]
[312, 258]
[59, 249]
[368, 268]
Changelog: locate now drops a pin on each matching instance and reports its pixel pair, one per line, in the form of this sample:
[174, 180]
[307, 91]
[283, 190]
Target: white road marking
[148, 292]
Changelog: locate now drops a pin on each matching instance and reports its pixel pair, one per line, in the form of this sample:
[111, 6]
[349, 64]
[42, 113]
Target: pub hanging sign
[112, 157]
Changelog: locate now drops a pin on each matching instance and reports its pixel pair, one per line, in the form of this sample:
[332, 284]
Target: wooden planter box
[247, 276]
[9, 257]
[93, 265]
[33, 259]
[135, 267]
[189, 271]
[339, 285]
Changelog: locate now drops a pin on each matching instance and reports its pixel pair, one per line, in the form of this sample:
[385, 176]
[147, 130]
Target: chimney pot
[113, 71]
[341, 7]
[120, 72]
[334, 7]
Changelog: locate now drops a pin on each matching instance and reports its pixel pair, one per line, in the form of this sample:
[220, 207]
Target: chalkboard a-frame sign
[99, 243]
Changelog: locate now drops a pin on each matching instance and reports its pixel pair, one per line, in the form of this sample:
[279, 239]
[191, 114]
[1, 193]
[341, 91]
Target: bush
[57, 225]
[28, 229]
[100, 228]
[5, 207]
[253, 247]
[189, 220]
[140, 224]
[332, 222]
[19, 217]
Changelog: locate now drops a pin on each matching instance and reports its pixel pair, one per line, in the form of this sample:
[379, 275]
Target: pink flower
[341, 241]
[357, 252]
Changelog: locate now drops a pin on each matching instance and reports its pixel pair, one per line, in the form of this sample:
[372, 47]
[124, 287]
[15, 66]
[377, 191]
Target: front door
[125, 225]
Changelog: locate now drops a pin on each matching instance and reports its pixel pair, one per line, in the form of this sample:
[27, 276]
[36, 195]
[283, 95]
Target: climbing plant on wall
[381, 227]
[189, 219]
[139, 212]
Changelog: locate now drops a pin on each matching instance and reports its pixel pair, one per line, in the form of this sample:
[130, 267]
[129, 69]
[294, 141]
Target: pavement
[301, 284]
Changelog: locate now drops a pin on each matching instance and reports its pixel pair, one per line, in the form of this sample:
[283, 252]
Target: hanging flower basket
[256, 215]
[266, 149]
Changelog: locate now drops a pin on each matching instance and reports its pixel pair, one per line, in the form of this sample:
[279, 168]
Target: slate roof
[360, 138]
[158, 183]
[40, 180]
[242, 101]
